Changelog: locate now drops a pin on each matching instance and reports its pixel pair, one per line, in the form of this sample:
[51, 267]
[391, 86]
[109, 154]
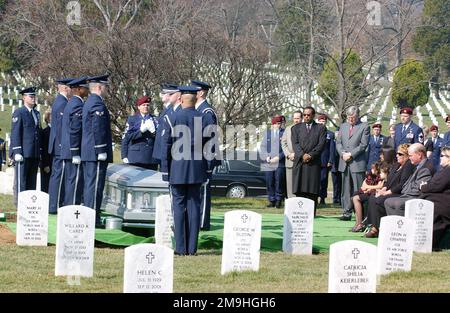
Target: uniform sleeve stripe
[74, 148]
[100, 146]
[17, 148]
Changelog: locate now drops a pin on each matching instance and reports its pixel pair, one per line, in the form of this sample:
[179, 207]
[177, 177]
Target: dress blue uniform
[185, 175]
[374, 149]
[275, 173]
[55, 188]
[326, 158]
[2, 152]
[411, 134]
[26, 141]
[138, 146]
[210, 120]
[96, 142]
[72, 131]
[46, 160]
[438, 144]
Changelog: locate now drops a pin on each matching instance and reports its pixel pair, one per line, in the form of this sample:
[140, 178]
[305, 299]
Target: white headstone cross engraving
[32, 218]
[352, 267]
[164, 221]
[298, 226]
[148, 269]
[422, 212]
[395, 244]
[75, 241]
[241, 241]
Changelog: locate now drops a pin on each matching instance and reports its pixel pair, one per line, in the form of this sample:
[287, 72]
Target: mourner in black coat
[308, 141]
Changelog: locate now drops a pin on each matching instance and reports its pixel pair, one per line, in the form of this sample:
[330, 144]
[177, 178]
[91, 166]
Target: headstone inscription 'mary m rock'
[298, 226]
[75, 241]
[395, 244]
[164, 221]
[421, 212]
[241, 241]
[352, 267]
[32, 218]
[148, 269]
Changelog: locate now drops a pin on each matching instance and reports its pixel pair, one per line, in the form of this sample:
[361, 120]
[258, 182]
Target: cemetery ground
[31, 269]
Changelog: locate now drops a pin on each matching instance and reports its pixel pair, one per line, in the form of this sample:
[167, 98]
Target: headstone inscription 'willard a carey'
[352, 267]
[241, 241]
[298, 226]
[32, 218]
[421, 212]
[75, 241]
[148, 269]
[395, 244]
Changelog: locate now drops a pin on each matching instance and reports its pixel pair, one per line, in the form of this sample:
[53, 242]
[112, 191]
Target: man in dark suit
[96, 145]
[56, 185]
[308, 140]
[376, 142]
[186, 170]
[407, 131]
[327, 160]
[45, 166]
[71, 135]
[139, 138]
[411, 189]
[351, 145]
[26, 142]
[272, 158]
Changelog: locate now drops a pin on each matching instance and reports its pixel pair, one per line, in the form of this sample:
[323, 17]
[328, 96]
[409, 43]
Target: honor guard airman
[447, 134]
[438, 144]
[72, 132]
[376, 143]
[166, 91]
[56, 185]
[186, 171]
[139, 138]
[25, 142]
[45, 165]
[2, 152]
[96, 145]
[407, 131]
[210, 120]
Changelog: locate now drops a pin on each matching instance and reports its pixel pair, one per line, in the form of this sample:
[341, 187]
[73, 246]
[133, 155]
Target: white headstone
[2, 105]
[422, 212]
[75, 241]
[148, 268]
[298, 226]
[39, 108]
[164, 221]
[20, 103]
[395, 244]
[32, 218]
[352, 267]
[13, 109]
[241, 241]
[10, 101]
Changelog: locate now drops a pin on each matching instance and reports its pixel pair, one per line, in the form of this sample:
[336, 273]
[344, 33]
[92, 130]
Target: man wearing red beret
[139, 137]
[407, 131]
[376, 142]
[438, 144]
[447, 134]
[272, 157]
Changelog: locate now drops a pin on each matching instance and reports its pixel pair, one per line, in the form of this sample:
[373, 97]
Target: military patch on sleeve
[15, 119]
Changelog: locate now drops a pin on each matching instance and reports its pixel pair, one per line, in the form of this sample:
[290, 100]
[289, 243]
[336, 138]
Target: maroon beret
[142, 100]
[322, 117]
[376, 125]
[406, 111]
[277, 119]
[433, 128]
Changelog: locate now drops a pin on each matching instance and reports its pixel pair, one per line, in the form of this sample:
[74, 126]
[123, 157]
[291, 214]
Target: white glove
[76, 160]
[125, 160]
[143, 127]
[102, 156]
[18, 158]
[150, 125]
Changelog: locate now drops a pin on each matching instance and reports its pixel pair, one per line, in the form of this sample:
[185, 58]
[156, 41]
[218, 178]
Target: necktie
[33, 114]
[403, 129]
[376, 139]
[351, 130]
[308, 127]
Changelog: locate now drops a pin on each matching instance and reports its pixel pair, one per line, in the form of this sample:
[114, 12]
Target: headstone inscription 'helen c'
[241, 241]
[148, 269]
[352, 267]
[395, 244]
[421, 212]
[298, 226]
[75, 238]
[32, 218]
[164, 221]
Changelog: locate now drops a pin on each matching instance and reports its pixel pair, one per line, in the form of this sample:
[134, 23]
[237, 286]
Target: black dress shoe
[345, 218]
[322, 201]
[99, 226]
[271, 205]
[278, 204]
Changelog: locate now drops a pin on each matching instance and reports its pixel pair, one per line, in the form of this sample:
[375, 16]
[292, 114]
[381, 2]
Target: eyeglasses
[401, 154]
[444, 156]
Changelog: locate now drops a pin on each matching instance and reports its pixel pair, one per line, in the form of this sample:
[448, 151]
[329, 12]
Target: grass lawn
[31, 269]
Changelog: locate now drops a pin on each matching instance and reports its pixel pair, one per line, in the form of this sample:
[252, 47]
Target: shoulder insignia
[61, 113]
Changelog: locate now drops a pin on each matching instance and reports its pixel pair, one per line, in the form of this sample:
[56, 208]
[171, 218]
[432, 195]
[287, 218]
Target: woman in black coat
[398, 175]
[437, 190]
